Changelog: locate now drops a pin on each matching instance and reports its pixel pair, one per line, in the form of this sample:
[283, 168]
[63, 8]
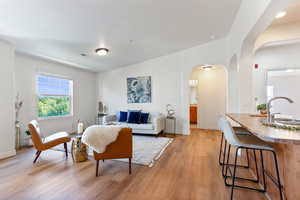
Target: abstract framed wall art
[139, 89]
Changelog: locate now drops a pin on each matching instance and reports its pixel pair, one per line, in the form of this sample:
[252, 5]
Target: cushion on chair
[240, 130]
[55, 139]
[134, 117]
[144, 118]
[252, 141]
[56, 136]
[123, 116]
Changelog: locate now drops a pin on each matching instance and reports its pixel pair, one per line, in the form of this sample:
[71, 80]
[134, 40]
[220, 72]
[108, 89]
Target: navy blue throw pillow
[144, 118]
[123, 116]
[134, 117]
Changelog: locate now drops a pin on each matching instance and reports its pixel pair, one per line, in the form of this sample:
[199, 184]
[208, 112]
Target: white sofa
[155, 125]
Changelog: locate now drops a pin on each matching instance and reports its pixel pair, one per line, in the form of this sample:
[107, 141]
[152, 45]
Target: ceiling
[133, 30]
[292, 15]
[282, 31]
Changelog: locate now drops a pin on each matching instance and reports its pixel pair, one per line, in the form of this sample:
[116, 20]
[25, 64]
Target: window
[55, 96]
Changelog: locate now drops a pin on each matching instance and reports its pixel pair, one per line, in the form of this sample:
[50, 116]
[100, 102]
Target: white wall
[233, 86]
[7, 141]
[273, 58]
[252, 19]
[279, 56]
[170, 80]
[84, 83]
[171, 73]
[285, 85]
[212, 88]
[165, 86]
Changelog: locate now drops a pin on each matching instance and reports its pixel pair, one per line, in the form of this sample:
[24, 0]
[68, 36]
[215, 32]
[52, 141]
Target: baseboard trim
[7, 154]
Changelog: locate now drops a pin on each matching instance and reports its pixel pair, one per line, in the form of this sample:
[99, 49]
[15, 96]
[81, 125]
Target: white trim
[8, 154]
[53, 75]
[55, 117]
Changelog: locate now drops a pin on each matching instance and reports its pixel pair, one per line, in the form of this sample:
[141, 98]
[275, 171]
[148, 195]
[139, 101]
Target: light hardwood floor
[188, 170]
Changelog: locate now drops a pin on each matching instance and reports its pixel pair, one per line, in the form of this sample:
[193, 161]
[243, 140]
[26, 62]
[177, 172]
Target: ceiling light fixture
[280, 14]
[102, 51]
[207, 67]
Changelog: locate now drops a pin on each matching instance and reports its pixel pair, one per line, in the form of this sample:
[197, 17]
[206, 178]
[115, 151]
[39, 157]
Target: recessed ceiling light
[212, 37]
[280, 14]
[102, 51]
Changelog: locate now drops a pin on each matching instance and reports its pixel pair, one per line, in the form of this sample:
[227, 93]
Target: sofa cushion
[141, 126]
[123, 116]
[134, 117]
[144, 118]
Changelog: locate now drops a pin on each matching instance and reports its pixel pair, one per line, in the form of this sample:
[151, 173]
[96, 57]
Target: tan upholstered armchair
[121, 148]
[49, 142]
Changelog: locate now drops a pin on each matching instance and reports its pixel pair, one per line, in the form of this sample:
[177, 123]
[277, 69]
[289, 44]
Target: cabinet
[193, 114]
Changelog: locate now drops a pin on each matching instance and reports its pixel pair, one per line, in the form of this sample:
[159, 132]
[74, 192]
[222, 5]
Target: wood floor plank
[187, 170]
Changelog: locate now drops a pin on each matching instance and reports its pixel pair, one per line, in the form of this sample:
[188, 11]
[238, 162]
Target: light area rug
[146, 149]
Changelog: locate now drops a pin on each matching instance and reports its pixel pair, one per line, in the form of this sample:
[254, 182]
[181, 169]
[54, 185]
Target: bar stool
[239, 131]
[249, 142]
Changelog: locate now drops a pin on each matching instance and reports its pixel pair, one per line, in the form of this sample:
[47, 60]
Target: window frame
[71, 95]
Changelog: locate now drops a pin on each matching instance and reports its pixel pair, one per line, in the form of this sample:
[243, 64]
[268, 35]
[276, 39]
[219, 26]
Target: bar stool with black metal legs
[239, 131]
[249, 142]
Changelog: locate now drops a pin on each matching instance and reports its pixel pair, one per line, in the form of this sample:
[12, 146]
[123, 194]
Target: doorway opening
[207, 96]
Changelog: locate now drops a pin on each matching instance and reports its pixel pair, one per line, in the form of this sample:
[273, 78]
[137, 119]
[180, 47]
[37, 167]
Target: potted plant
[262, 108]
[28, 138]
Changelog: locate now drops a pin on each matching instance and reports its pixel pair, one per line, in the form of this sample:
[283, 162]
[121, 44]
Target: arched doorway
[209, 94]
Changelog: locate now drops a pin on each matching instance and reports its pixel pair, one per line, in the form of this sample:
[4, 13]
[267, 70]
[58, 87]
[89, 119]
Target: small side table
[100, 118]
[171, 122]
[78, 149]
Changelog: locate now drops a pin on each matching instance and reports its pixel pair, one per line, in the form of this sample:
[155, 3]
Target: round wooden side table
[78, 149]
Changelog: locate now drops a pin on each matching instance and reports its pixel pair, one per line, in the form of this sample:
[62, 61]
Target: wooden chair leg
[129, 163]
[66, 149]
[72, 152]
[38, 153]
[97, 167]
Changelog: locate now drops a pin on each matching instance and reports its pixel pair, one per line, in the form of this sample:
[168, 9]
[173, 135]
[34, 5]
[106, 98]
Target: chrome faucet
[270, 119]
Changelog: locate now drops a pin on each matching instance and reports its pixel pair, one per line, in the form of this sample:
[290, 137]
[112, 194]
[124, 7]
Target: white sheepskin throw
[98, 137]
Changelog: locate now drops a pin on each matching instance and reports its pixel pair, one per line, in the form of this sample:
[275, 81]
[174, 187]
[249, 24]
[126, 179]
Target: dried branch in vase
[18, 106]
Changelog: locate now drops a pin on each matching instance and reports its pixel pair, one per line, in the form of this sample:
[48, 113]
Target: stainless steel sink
[291, 122]
[282, 123]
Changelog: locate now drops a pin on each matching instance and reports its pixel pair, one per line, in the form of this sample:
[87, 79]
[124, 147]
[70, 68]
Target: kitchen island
[287, 146]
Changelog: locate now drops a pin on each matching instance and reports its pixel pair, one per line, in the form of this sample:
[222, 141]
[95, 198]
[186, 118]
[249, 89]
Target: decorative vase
[79, 150]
